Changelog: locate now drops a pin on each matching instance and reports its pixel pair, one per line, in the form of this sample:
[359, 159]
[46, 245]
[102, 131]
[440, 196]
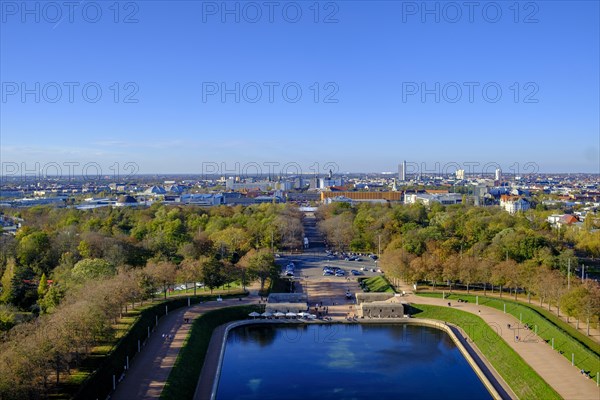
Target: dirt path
[554, 368]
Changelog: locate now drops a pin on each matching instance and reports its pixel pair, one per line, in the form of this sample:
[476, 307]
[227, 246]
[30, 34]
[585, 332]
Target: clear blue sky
[375, 58]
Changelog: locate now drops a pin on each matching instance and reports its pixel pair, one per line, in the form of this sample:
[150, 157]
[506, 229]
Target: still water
[345, 362]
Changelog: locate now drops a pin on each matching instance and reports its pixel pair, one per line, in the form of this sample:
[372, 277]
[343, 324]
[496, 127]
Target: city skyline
[361, 85]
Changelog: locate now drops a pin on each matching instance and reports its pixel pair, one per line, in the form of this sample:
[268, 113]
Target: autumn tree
[261, 264]
[162, 273]
[212, 273]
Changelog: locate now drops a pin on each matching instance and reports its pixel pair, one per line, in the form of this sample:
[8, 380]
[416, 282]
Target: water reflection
[345, 362]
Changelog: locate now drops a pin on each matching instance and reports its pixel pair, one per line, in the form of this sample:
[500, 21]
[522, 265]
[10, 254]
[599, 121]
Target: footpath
[151, 367]
[554, 368]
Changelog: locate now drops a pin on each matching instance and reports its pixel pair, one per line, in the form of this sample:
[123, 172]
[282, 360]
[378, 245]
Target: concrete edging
[448, 329]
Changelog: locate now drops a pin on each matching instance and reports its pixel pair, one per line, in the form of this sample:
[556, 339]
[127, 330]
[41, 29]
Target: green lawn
[183, 378]
[522, 379]
[378, 284]
[567, 340]
[234, 287]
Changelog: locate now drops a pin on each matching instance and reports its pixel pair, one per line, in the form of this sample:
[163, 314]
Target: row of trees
[80, 269]
[578, 299]
[81, 310]
[471, 246]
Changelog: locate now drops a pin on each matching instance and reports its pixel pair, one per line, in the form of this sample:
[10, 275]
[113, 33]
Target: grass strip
[522, 379]
[183, 378]
[565, 342]
[378, 284]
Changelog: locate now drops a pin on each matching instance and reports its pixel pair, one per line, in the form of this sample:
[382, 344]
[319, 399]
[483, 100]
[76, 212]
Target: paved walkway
[554, 368]
[150, 368]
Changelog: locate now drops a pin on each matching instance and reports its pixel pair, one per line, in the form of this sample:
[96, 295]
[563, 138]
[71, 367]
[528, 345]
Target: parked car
[355, 272]
[327, 273]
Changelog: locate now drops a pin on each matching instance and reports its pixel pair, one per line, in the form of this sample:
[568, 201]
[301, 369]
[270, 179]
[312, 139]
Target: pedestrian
[517, 338]
[479, 312]
[449, 305]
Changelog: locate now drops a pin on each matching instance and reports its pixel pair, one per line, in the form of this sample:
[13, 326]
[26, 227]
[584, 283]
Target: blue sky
[162, 67]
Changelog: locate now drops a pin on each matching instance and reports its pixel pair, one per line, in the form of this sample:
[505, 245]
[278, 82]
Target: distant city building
[498, 175]
[560, 220]
[338, 199]
[513, 204]
[155, 190]
[175, 189]
[460, 174]
[202, 199]
[364, 196]
[479, 192]
[328, 182]
[126, 201]
[263, 186]
[430, 198]
[402, 171]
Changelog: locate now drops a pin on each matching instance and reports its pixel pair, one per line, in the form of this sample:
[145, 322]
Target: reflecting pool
[343, 361]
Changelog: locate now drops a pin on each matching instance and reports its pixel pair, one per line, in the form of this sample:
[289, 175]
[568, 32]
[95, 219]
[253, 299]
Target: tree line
[468, 245]
[75, 272]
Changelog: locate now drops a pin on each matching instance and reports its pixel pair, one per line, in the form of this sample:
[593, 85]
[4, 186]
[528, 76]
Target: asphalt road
[327, 290]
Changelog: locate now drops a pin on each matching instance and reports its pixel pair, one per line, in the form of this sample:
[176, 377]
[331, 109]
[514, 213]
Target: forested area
[467, 245]
[68, 275]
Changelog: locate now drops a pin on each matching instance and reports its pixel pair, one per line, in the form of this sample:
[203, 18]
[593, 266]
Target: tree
[556, 288]
[190, 271]
[433, 262]
[590, 303]
[43, 286]
[396, 262]
[452, 267]
[6, 281]
[212, 273]
[162, 273]
[261, 264]
[502, 274]
[22, 290]
[468, 271]
[34, 251]
[93, 268]
[485, 267]
[338, 231]
[527, 271]
[51, 299]
[7, 317]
